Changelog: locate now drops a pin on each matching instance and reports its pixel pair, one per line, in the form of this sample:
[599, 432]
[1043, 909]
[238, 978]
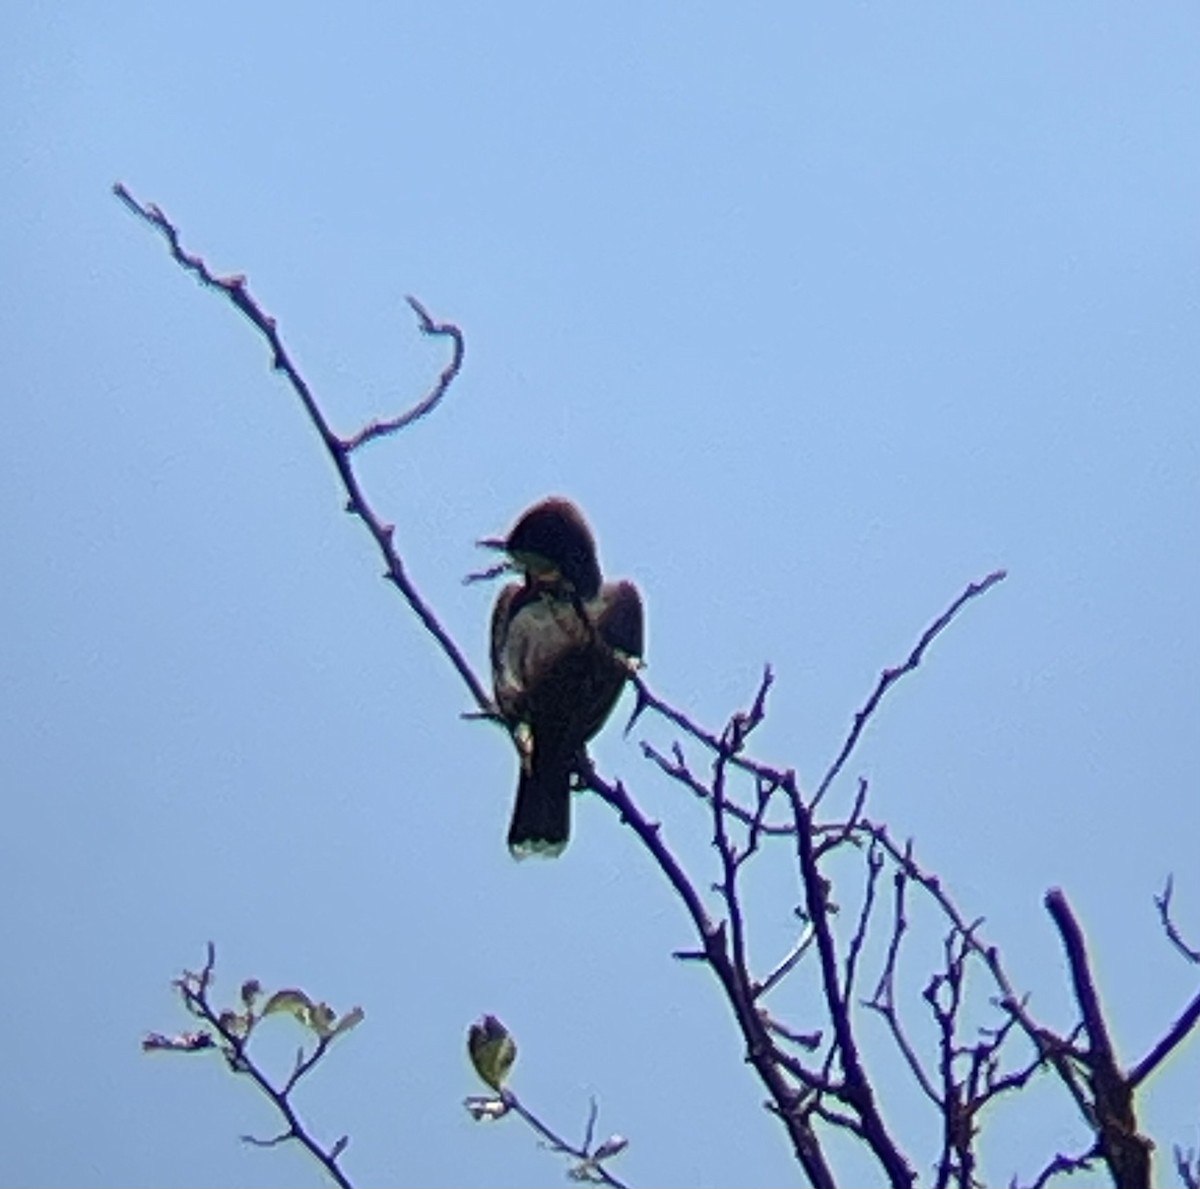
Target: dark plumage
[562, 643]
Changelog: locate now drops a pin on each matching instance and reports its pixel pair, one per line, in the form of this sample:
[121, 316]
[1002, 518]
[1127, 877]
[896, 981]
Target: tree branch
[857, 1092]
[233, 1030]
[889, 677]
[798, 1095]
[235, 289]
[1126, 1153]
[1163, 904]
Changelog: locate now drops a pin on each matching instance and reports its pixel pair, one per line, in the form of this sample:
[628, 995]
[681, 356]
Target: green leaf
[492, 1050]
[295, 1003]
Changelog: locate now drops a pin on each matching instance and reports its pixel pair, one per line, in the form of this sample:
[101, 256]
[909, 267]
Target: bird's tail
[541, 820]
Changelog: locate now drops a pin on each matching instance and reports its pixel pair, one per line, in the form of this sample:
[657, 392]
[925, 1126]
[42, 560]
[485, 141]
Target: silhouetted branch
[1043, 1040]
[836, 1092]
[1165, 1047]
[959, 1098]
[760, 1052]
[884, 999]
[648, 700]
[733, 739]
[1067, 1165]
[1163, 904]
[858, 940]
[857, 1091]
[236, 290]
[590, 1166]
[833, 836]
[764, 772]
[391, 425]
[889, 677]
[1126, 1153]
[231, 1031]
[493, 1050]
[1187, 1165]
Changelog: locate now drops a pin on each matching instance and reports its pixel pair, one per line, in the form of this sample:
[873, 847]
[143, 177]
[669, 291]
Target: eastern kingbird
[563, 643]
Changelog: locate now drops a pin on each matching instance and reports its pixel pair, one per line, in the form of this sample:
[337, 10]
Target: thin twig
[1163, 904]
[1067, 1165]
[759, 1050]
[556, 1143]
[339, 450]
[647, 699]
[857, 1093]
[889, 677]
[193, 988]
[1165, 1047]
[391, 425]
[884, 998]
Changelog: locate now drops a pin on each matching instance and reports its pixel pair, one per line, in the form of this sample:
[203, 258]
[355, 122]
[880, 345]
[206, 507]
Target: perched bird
[563, 643]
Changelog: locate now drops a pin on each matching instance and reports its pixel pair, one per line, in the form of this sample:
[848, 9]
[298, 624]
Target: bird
[563, 643]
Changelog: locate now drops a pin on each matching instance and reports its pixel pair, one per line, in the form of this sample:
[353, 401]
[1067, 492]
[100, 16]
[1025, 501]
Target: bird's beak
[493, 543]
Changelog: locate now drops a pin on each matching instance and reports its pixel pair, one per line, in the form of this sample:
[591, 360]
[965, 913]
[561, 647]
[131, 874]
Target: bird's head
[551, 542]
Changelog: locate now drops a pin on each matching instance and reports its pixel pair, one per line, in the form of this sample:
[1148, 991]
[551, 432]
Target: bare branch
[874, 866]
[647, 699]
[385, 427]
[760, 1052]
[1161, 1051]
[833, 836]
[802, 1098]
[733, 739]
[884, 999]
[1163, 904]
[889, 677]
[805, 1040]
[802, 946]
[1125, 1151]
[233, 1031]
[857, 1092]
[1187, 1165]
[1051, 1046]
[591, 1161]
[1065, 1164]
[237, 291]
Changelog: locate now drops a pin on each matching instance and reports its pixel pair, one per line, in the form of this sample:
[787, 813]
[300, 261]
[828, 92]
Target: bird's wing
[534, 633]
[505, 681]
[619, 619]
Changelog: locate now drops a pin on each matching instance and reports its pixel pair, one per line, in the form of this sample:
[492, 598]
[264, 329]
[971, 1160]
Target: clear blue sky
[820, 311]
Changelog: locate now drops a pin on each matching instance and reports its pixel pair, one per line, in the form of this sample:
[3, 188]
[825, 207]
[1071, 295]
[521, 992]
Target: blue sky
[819, 311]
